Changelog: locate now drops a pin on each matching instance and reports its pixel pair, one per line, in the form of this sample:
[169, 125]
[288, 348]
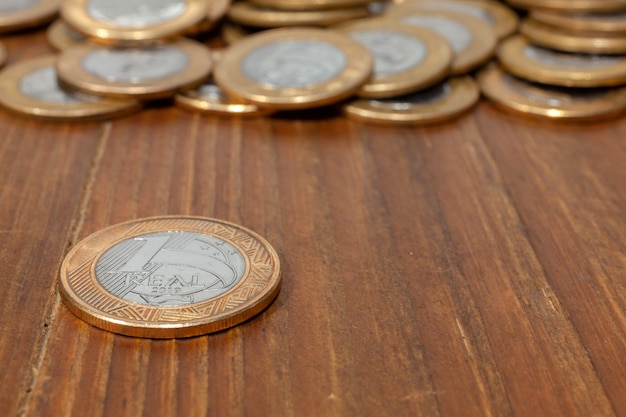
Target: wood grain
[469, 269]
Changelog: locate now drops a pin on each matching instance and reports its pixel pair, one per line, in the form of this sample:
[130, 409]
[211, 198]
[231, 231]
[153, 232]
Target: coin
[442, 102]
[30, 88]
[501, 18]
[541, 100]
[406, 58]
[62, 37]
[571, 5]
[571, 41]
[170, 277]
[586, 22]
[232, 32]
[294, 68]
[246, 13]
[21, 14]
[520, 57]
[216, 10]
[309, 4]
[123, 22]
[472, 42]
[146, 72]
[3, 55]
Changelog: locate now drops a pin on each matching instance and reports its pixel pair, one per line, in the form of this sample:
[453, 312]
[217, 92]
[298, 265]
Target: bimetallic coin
[309, 4]
[501, 18]
[232, 32]
[123, 22]
[246, 13]
[62, 37]
[147, 72]
[21, 14]
[440, 103]
[3, 55]
[169, 277]
[472, 42]
[558, 103]
[569, 6]
[606, 23]
[521, 58]
[571, 41]
[30, 88]
[406, 58]
[294, 68]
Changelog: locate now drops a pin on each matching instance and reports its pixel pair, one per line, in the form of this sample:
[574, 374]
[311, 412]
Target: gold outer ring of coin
[229, 76]
[85, 296]
[463, 94]
[62, 37]
[561, 40]
[502, 19]
[491, 80]
[246, 13]
[512, 57]
[41, 12]
[605, 23]
[75, 14]
[433, 68]
[309, 4]
[481, 48]
[3, 55]
[216, 10]
[569, 6]
[13, 99]
[72, 74]
[233, 32]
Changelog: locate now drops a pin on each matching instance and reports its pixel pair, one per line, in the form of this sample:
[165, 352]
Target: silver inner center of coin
[170, 268]
[457, 35]
[42, 85]
[297, 63]
[552, 95]
[135, 14]
[7, 6]
[394, 52]
[135, 65]
[569, 60]
[468, 9]
[425, 97]
[211, 92]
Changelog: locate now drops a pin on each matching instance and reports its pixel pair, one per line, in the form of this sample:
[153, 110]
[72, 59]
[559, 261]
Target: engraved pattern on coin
[170, 268]
[211, 92]
[394, 52]
[421, 98]
[467, 9]
[552, 95]
[7, 6]
[135, 14]
[297, 63]
[135, 65]
[42, 85]
[459, 37]
[569, 60]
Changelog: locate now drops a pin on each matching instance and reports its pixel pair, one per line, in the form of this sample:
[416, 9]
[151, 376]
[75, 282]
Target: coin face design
[565, 59]
[393, 52]
[421, 98]
[454, 32]
[211, 92]
[134, 14]
[42, 85]
[171, 276]
[294, 63]
[8, 6]
[170, 268]
[135, 65]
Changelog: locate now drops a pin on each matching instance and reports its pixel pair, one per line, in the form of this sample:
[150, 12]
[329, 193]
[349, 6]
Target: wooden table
[477, 268]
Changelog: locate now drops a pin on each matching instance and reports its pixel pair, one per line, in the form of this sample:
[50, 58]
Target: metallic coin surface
[442, 102]
[293, 68]
[472, 42]
[21, 14]
[541, 100]
[520, 57]
[571, 5]
[143, 72]
[30, 88]
[406, 58]
[62, 37]
[122, 22]
[3, 55]
[169, 277]
[309, 4]
[587, 22]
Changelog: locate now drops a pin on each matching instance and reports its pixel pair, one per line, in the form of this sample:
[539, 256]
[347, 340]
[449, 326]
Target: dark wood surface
[476, 268]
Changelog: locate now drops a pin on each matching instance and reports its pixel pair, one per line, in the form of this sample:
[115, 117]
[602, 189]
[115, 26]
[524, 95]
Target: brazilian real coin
[553, 102]
[147, 72]
[309, 4]
[170, 277]
[605, 23]
[295, 68]
[406, 58]
[21, 14]
[30, 88]
[3, 55]
[62, 37]
[472, 42]
[439, 103]
[571, 5]
[123, 22]
[519, 57]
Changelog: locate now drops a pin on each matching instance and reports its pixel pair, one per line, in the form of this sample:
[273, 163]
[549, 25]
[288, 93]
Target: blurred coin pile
[408, 61]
